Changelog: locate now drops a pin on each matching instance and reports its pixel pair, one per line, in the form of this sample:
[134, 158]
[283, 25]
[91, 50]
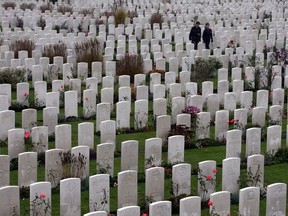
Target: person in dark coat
[207, 36]
[195, 35]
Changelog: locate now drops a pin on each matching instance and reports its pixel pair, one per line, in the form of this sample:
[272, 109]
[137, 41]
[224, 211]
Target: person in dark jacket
[195, 35]
[207, 36]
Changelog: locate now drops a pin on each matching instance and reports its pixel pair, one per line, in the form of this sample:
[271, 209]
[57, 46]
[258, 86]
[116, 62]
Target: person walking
[207, 36]
[195, 35]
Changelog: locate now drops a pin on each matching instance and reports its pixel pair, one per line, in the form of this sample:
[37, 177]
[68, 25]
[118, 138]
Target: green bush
[205, 68]
[12, 76]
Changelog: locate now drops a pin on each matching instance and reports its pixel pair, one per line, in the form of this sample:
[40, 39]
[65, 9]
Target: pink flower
[144, 214]
[210, 203]
[214, 170]
[245, 76]
[209, 177]
[25, 94]
[27, 135]
[42, 195]
[62, 87]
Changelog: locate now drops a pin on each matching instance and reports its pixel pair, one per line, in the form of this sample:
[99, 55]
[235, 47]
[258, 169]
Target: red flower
[210, 203]
[27, 135]
[245, 76]
[62, 87]
[42, 195]
[144, 214]
[215, 171]
[209, 177]
[25, 94]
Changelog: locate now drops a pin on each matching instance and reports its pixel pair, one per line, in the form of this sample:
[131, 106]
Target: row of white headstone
[99, 192]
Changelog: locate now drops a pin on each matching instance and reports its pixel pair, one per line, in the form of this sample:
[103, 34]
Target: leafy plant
[185, 131]
[24, 192]
[12, 76]
[205, 68]
[145, 202]
[41, 23]
[131, 65]
[19, 23]
[22, 44]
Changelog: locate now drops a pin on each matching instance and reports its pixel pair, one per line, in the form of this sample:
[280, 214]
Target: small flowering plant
[192, 110]
[27, 140]
[213, 211]
[231, 44]
[40, 205]
[207, 183]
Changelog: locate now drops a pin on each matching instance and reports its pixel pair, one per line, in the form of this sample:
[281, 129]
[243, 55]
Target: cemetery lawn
[272, 174]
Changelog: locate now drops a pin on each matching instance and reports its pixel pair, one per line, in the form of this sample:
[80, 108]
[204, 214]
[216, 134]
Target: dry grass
[53, 50]
[45, 7]
[30, 6]
[130, 65]
[120, 16]
[132, 14]
[86, 11]
[156, 18]
[65, 8]
[7, 5]
[88, 51]
[24, 44]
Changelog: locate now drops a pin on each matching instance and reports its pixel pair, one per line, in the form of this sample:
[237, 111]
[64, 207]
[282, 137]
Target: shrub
[12, 76]
[19, 23]
[30, 6]
[156, 18]
[88, 51]
[205, 68]
[45, 7]
[7, 5]
[59, 27]
[120, 16]
[41, 23]
[130, 65]
[52, 50]
[64, 8]
[24, 44]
